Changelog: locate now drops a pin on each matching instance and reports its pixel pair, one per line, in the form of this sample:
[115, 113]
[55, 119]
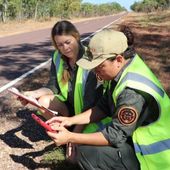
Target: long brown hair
[64, 27]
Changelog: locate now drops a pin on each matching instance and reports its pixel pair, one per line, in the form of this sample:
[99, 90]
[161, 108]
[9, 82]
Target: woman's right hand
[28, 94]
[60, 121]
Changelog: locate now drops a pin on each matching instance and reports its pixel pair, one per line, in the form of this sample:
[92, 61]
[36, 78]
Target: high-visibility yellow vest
[81, 78]
[151, 142]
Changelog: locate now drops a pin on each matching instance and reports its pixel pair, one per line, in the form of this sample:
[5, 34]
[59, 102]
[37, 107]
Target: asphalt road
[22, 52]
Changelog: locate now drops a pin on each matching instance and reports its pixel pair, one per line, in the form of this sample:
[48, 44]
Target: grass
[54, 156]
[160, 18]
[56, 160]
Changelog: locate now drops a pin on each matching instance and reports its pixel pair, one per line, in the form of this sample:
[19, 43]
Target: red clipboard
[31, 100]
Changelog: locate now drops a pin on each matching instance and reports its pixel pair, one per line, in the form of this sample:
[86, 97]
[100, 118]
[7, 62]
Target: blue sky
[123, 3]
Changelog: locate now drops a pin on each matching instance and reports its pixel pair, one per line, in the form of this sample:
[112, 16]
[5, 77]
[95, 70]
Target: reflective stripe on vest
[79, 84]
[59, 70]
[140, 78]
[151, 142]
[152, 148]
[81, 79]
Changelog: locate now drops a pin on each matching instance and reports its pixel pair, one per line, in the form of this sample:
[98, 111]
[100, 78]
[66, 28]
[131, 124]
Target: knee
[82, 152]
[87, 157]
[86, 153]
[44, 101]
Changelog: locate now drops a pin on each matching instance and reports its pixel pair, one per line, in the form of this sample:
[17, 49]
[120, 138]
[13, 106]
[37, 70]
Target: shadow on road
[17, 60]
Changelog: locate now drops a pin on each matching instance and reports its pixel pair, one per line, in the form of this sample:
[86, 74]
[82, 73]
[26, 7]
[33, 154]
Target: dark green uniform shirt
[118, 133]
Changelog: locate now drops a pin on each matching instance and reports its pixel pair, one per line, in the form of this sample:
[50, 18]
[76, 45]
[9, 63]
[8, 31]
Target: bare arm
[88, 139]
[91, 115]
[63, 136]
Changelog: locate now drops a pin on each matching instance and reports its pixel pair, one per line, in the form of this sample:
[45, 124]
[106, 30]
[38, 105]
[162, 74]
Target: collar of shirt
[116, 79]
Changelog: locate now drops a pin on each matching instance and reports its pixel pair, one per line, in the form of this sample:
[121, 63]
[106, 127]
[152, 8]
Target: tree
[74, 8]
[150, 5]
[3, 8]
[86, 9]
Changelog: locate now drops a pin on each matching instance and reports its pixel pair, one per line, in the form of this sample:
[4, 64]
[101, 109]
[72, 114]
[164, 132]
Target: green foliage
[74, 8]
[89, 9]
[42, 9]
[4, 10]
[54, 156]
[109, 8]
[56, 160]
[150, 5]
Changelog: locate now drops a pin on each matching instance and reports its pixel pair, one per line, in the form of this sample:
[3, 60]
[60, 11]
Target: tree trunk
[4, 11]
[36, 10]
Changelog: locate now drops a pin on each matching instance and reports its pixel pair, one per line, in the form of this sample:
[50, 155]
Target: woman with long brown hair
[71, 89]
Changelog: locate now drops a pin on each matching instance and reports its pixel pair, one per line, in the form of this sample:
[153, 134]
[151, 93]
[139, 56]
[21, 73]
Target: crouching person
[138, 135]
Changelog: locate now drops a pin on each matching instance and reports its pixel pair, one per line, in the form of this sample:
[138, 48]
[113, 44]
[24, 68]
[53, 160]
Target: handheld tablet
[42, 123]
[31, 100]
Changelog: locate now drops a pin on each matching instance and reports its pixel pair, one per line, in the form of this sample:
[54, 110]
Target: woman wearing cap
[135, 100]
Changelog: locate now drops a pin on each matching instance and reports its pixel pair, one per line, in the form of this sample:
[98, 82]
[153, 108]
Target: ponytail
[130, 51]
[65, 76]
[128, 33]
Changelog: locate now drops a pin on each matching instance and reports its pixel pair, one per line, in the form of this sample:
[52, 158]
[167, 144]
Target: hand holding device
[28, 99]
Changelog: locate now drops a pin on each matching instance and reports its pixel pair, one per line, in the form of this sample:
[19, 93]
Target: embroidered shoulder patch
[127, 115]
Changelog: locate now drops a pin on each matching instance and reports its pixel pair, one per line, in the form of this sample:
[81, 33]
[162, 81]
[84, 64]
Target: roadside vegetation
[152, 41]
[20, 10]
[44, 9]
[150, 5]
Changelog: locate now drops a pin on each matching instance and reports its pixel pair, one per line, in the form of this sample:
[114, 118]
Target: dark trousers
[107, 158]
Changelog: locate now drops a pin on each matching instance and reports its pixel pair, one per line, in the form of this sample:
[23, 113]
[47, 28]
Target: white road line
[13, 82]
